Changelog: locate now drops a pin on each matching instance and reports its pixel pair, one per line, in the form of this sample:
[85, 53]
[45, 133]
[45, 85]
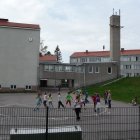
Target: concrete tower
[115, 39]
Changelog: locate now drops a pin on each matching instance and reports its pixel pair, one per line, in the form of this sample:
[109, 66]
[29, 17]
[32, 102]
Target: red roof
[48, 58]
[103, 53]
[5, 22]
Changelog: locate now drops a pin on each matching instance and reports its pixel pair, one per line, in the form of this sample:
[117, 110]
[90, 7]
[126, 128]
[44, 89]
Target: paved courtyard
[121, 122]
[28, 99]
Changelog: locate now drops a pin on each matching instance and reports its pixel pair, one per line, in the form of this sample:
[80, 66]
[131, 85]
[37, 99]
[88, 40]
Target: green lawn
[122, 90]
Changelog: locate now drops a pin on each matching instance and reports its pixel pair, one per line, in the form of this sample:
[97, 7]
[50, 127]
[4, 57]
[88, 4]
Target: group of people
[96, 100]
[47, 101]
[77, 100]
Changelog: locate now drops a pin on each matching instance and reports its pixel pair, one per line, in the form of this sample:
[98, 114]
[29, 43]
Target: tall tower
[115, 39]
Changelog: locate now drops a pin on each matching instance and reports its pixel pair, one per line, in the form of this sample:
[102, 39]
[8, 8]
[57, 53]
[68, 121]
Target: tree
[58, 54]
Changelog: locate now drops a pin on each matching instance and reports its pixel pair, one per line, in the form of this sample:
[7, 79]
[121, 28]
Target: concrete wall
[19, 58]
[115, 40]
[84, 78]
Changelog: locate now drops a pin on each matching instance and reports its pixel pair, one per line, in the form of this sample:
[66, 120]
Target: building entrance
[43, 83]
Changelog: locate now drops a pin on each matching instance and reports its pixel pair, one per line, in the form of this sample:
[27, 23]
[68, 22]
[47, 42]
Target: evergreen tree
[58, 54]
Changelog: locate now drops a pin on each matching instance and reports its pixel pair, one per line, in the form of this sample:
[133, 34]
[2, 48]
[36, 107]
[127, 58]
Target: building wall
[19, 58]
[85, 76]
[129, 64]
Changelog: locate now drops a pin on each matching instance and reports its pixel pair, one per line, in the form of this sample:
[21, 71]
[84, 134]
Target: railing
[109, 124]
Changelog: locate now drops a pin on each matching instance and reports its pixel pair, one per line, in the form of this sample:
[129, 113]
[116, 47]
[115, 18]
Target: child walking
[60, 101]
[38, 102]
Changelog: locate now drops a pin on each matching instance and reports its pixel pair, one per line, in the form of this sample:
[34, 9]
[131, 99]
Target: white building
[129, 60]
[19, 55]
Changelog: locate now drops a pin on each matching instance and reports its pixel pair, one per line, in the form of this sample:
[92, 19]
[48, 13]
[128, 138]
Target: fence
[45, 124]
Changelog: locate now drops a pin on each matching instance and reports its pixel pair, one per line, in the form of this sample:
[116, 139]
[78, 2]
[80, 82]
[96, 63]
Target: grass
[123, 90]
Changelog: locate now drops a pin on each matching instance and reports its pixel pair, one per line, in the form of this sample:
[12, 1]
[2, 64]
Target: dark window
[28, 87]
[13, 86]
[109, 70]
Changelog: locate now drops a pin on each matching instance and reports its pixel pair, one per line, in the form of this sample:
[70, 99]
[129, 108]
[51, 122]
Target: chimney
[86, 51]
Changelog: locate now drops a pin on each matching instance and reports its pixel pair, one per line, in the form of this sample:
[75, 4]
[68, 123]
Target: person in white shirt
[77, 106]
[60, 101]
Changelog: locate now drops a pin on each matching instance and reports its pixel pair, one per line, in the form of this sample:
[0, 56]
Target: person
[45, 100]
[109, 99]
[94, 101]
[134, 101]
[98, 104]
[77, 107]
[86, 97]
[82, 99]
[105, 97]
[50, 102]
[60, 101]
[68, 99]
[38, 101]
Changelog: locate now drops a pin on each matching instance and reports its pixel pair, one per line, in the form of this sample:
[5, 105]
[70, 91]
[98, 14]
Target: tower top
[115, 12]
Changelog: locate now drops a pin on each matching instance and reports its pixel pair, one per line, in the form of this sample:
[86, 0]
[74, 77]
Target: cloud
[76, 25]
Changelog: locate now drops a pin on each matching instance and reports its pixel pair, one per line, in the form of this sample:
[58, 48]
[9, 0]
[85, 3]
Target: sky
[76, 25]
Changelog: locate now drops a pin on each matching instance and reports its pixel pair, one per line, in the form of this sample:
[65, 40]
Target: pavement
[28, 99]
[121, 122]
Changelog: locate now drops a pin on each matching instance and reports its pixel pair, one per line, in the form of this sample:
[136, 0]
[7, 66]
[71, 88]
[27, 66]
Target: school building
[23, 70]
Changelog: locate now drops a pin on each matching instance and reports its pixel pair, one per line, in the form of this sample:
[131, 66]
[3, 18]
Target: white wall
[18, 56]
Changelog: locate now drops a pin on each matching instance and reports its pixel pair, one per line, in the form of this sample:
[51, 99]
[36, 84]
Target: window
[83, 59]
[28, 87]
[79, 69]
[68, 68]
[128, 74]
[49, 68]
[0, 86]
[61, 68]
[109, 70]
[125, 58]
[127, 66]
[96, 69]
[13, 86]
[90, 69]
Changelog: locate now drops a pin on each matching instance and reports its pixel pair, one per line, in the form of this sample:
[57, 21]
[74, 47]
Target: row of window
[132, 74]
[105, 59]
[134, 67]
[97, 69]
[130, 58]
[80, 69]
[61, 68]
[90, 59]
[27, 87]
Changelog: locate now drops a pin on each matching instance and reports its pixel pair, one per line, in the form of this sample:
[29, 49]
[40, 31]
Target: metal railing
[122, 123]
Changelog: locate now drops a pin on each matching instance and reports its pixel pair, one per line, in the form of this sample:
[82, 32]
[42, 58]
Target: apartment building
[129, 60]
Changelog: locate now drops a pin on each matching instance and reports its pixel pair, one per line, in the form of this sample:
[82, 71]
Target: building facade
[129, 60]
[19, 56]
[22, 69]
[81, 72]
[75, 76]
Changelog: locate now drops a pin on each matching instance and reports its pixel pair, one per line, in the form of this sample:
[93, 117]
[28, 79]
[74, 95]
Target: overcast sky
[76, 25]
